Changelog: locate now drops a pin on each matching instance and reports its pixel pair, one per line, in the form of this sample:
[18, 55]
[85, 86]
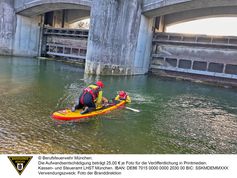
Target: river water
[176, 116]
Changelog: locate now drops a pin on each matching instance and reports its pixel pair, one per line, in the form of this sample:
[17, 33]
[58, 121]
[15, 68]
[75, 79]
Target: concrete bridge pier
[119, 39]
[27, 36]
[19, 35]
[7, 27]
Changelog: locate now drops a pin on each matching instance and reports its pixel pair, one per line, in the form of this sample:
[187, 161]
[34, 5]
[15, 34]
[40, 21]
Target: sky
[221, 26]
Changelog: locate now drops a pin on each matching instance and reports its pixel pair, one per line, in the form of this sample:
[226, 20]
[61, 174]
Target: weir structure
[126, 37]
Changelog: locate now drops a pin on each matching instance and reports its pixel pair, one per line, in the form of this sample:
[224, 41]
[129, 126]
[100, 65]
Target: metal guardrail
[65, 51]
[66, 32]
[225, 41]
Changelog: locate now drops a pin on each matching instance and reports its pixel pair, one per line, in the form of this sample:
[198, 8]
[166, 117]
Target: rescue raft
[68, 115]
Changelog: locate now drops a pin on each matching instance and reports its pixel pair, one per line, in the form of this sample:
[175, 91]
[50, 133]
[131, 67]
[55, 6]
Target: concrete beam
[37, 7]
[165, 7]
[195, 14]
[149, 5]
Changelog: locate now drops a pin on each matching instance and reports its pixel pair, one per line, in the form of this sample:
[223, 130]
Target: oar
[132, 109]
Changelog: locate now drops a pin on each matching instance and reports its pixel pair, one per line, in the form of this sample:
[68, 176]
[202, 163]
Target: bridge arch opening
[215, 26]
[83, 23]
[65, 35]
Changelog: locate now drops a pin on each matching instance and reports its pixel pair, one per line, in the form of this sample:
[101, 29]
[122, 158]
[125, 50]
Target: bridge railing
[66, 32]
[66, 51]
[222, 41]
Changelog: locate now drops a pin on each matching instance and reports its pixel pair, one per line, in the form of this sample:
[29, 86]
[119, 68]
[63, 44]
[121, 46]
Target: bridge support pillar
[118, 38]
[159, 24]
[27, 36]
[7, 26]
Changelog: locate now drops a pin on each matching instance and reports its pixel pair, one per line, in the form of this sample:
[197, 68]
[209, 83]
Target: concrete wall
[27, 36]
[143, 51]
[7, 26]
[19, 35]
[20, 3]
[113, 38]
[153, 8]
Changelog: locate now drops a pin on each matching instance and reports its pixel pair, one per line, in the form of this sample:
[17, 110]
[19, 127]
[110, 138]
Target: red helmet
[122, 94]
[100, 84]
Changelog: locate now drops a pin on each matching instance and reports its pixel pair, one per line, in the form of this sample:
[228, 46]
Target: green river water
[176, 116]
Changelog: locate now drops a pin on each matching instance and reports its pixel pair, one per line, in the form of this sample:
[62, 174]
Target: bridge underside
[38, 7]
[179, 17]
[179, 11]
[37, 10]
[161, 8]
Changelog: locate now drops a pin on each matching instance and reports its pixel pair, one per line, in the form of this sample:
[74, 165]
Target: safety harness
[93, 91]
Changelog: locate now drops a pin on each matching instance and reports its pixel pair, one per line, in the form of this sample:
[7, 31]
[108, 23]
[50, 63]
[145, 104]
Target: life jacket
[91, 89]
[122, 95]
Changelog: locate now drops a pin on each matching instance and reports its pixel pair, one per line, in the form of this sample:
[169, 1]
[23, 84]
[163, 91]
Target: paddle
[132, 109]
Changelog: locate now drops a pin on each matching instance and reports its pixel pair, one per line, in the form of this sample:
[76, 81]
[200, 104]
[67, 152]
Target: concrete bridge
[121, 32]
[175, 11]
[169, 11]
